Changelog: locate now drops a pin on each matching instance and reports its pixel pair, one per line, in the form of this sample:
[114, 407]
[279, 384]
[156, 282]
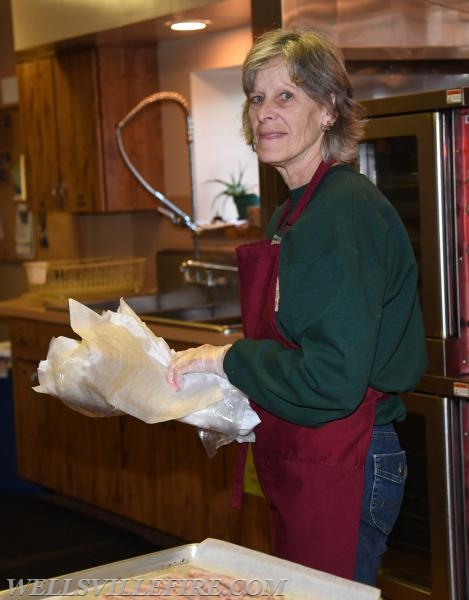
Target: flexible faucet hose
[179, 217]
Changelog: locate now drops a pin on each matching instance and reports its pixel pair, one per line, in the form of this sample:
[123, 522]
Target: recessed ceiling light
[189, 25]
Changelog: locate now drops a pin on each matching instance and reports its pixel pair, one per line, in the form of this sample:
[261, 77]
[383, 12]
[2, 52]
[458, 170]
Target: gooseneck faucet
[194, 271]
[177, 215]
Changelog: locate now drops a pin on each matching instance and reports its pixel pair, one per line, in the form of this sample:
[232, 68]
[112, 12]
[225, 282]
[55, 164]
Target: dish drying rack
[90, 277]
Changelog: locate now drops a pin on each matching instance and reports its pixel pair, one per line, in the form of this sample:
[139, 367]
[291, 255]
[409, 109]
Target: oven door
[408, 157]
[426, 556]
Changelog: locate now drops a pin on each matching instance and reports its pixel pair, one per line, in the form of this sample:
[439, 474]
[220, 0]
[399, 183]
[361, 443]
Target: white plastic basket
[90, 277]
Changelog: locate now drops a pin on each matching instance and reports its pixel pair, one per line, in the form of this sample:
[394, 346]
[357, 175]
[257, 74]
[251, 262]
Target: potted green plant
[235, 188]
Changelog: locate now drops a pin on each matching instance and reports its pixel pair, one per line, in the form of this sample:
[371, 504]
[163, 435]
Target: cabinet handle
[22, 342]
[81, 202]
[63, 194]
[56, 193]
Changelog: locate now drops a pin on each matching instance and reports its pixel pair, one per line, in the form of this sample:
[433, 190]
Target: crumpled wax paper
[119, 367]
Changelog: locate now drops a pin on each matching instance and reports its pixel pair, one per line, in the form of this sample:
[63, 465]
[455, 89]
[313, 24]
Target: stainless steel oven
[416, 150]
[417, 153]
[426, 557]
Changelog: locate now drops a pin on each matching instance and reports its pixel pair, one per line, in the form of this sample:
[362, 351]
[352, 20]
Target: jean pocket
[390, 472]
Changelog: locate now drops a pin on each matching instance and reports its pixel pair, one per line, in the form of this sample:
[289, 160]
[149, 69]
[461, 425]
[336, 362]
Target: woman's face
[286, 124]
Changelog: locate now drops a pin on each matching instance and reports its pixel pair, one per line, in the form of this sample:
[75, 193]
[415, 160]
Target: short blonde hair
[317, 66]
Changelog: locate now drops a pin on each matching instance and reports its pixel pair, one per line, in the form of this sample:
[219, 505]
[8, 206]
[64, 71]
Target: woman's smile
[269, 135]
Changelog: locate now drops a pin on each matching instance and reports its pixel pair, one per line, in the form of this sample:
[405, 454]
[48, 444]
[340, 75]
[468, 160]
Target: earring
[325, 127]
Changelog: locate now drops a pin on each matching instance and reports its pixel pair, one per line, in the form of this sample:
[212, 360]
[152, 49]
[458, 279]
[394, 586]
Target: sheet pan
[217, 557]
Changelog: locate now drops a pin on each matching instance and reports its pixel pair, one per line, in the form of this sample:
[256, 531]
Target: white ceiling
[38, 23]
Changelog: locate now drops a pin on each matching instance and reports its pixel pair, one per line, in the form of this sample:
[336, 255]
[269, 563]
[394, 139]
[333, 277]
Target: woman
[333, 327]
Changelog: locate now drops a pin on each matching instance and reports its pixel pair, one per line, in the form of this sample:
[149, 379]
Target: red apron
[313, 477]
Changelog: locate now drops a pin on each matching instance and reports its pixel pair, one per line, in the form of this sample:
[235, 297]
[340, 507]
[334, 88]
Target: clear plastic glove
[202, 359]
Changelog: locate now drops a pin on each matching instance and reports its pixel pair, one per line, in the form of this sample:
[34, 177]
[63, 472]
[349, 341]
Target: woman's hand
[203, 359]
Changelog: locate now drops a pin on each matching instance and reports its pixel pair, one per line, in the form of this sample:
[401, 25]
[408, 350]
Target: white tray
[219, 558]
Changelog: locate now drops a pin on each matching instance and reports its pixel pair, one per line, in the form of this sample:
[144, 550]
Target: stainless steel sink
[209, 313]
[222, 318]
[188, 308]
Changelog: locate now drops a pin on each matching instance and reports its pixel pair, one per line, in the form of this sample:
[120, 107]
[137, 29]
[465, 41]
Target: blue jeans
[385, 474]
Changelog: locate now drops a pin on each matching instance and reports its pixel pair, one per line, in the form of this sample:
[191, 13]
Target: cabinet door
[39, 133]
[126, 76]
[63, 450]
[70, 105]
[159, 475]
[79, 134]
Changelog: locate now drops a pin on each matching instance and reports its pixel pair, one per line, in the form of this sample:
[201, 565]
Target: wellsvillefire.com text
[119, 589]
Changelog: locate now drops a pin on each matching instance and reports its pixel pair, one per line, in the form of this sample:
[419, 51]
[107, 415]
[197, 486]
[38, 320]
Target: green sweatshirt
[347, 281]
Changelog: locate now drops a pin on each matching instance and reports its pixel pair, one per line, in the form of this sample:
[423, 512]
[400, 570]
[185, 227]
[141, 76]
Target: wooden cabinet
[10, 210]
[159, 475]
[70, 104]
[37, 115]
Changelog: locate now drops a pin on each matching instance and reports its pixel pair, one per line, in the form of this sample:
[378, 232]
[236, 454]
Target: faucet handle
[203, 273]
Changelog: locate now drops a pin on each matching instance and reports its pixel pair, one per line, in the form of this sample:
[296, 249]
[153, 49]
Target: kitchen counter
[31, 307]
[158, 475]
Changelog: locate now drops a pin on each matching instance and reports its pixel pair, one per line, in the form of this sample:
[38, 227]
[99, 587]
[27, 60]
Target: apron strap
[285, 223]
[237, 489]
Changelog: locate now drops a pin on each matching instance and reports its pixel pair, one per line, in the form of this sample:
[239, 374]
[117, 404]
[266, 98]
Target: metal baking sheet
[218, 558]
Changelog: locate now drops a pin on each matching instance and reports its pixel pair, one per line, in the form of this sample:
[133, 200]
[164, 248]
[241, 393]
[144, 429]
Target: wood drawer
[31, 339]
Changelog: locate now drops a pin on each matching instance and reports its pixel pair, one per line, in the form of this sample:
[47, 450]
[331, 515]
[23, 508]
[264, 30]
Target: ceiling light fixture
[189, 25]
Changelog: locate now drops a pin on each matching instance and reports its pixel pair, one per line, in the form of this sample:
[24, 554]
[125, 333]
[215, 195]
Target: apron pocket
[390, 472]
